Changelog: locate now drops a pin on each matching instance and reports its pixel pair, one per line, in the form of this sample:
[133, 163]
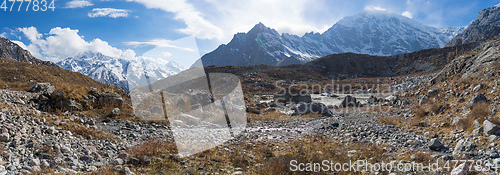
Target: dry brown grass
[419, 112]
[420, 157]
[480, 112]
[153, 148]
[254, 157]
[396, 121]
[88, 131]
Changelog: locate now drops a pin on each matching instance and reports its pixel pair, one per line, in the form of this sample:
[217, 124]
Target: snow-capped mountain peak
[120, 72]
[369, 32]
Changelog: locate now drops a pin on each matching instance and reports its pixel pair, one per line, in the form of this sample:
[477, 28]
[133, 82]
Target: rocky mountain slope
[120, 72]
[487, 26]
[483, 62]
[10, 50]
[374, 33]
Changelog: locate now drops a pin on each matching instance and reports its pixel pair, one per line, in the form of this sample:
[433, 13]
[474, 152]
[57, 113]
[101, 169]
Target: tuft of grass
[153, 148]
[396, 121]
[419, 112]
[421, 157]
[480, 113]
[93, 133]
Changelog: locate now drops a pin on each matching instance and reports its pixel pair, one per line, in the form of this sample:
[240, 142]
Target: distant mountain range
[120, 72]
[370, 32]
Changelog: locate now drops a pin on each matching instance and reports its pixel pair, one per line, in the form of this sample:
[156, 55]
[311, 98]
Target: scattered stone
[492, 138]
[115, 112]
[435, 145]
[490, 128]
[349, 101]
[134, 161]
[4, 137]
[477, 88]
[118, 161]
[127, 171]
[464, 147]
[461, 169]
[478, 98]
[254, 110]
[314, 108]
[433, 92]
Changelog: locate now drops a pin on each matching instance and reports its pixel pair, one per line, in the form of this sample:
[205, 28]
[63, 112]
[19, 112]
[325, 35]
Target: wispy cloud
[407, 14]
[78, 4]
[108, 12]
[157, 43]
[196, 24]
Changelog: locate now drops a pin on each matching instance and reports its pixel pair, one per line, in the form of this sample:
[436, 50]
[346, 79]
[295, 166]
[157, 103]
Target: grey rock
[34, 162]
[118, 161]
[435, 145]
[115, 112]
[461, 169]
[490, 128]
[478, 98]
[122, 155]
[39, 87]
[464, 147]
[492, 138]
[70, 105]
[477, 88]
[134, 161]
[433, 92]
[145, 160]
[111, 99]
[127, 171]
[4, 137]
[254, 110]
[314, 108]
[65, 149]
[349, 101]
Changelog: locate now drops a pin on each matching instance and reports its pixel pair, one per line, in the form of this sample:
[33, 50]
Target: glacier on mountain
[120, 72]
[369, 32]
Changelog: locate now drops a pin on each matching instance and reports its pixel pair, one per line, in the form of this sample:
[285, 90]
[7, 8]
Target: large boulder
[293, 96]
[478, 98]
[70, 105]
[435, 145]
[490, 128]
[461, 169]
[464, 148]
[45, 88]
[314, 108]
[349, 101]
[112, 99]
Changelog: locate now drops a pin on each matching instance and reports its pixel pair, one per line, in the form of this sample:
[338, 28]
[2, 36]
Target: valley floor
[37, 142]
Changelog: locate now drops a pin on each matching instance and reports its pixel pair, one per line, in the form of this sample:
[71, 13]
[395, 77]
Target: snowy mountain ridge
[369, 32]
[120, 72]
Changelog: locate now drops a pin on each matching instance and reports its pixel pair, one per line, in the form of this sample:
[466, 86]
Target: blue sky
[130, 28]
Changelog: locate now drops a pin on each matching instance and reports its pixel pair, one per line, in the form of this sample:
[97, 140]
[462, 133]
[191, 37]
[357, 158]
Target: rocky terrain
[11, 50]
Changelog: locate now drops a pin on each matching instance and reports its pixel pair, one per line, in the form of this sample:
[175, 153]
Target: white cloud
[166, 54]
[78, 4]
[108, 12]
[196, 24]
[157, 43]
[407, 14]
[374, 8]
[3, 35]
[286, 16]
[61, 43]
